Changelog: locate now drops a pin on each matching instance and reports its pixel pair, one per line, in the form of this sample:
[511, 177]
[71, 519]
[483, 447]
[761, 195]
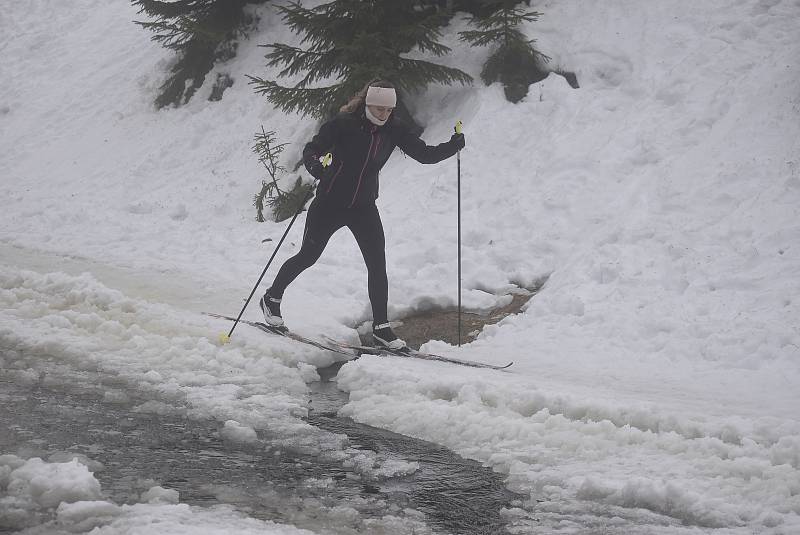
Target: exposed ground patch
[442, 324]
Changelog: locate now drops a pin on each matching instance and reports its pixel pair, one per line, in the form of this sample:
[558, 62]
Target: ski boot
[385, 338]
[271, 307]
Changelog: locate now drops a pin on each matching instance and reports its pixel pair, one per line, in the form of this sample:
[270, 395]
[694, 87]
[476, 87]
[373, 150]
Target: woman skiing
[360, 139]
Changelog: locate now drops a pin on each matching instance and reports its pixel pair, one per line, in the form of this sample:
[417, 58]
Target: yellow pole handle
[327, 159]
[458, 127]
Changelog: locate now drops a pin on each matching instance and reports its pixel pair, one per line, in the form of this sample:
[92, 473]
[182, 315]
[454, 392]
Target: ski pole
[458, 169]
[224, 338]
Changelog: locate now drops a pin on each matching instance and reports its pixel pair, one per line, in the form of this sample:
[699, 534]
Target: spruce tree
[350, 42]
[515, 62]
[284, 203]
[202, 32]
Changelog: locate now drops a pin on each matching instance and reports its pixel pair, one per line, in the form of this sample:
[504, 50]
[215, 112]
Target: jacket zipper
[377, 144]
[341, 164]
[364, 168]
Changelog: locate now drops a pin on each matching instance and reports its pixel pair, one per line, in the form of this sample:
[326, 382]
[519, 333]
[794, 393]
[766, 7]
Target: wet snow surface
[131, 450]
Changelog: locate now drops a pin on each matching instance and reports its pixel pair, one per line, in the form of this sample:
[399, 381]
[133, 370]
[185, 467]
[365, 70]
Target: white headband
[381, 96]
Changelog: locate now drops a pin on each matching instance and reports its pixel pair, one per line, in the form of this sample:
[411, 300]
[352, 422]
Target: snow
[655, 372]
[34, 484]
[159, 494]
[48, 485]
[31, 487]
[236, 432]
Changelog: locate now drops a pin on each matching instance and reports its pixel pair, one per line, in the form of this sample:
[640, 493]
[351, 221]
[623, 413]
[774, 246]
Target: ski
[408, 352]
[355, 350]
[286, 333]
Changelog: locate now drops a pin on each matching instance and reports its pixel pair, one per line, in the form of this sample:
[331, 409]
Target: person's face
[381, 113]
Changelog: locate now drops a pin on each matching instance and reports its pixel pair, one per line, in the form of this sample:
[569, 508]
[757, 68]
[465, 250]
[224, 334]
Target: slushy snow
[654, 388]
[32, 487]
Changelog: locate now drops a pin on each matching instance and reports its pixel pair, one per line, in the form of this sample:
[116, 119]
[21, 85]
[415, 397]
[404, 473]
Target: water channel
[68, 413]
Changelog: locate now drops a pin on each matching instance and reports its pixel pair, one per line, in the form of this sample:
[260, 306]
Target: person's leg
[365, 224]
[367, 229]
[321, 224]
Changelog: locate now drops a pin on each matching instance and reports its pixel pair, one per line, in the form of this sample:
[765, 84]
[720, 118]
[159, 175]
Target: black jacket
[360, 149]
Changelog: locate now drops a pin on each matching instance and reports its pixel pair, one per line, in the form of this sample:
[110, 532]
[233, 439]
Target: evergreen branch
[168, 10]
[170, 35]
[320, 65]
[296, 16]
[317, 25]
[315, 102]
[199, 31]
[415, 74]
[269, 153]
[176, 35]
[482, 38]
[504, 17]
[423, 38]
[500, 26]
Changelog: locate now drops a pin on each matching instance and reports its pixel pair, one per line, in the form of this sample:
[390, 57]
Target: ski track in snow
[654, 385]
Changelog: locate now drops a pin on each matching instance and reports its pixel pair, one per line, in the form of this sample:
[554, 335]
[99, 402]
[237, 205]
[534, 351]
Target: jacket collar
[369, 126]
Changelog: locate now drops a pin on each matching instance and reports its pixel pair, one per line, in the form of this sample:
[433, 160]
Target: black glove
[315, 169]
[458, 140]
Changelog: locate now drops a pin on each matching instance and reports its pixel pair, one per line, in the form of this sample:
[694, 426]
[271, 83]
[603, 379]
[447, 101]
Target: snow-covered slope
[656, 371]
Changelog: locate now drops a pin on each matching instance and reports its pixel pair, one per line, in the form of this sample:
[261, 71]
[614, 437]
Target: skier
[360, 139]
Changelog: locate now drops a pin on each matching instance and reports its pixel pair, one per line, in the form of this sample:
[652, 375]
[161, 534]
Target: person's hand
[458, 140]
[316, 166]
[316, 170]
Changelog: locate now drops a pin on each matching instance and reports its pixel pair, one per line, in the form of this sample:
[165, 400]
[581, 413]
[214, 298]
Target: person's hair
[357, 101]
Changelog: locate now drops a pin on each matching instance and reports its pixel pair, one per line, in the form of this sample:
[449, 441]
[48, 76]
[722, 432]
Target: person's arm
[319, 145]
[422, 152]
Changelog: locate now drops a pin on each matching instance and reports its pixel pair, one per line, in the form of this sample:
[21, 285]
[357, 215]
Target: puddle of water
[139, 450]
[441, 493]
[456, 494]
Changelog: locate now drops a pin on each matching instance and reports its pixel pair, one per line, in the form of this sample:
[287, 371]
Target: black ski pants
[321, 223]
